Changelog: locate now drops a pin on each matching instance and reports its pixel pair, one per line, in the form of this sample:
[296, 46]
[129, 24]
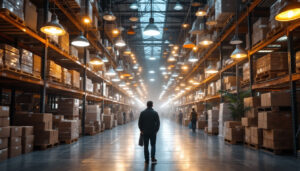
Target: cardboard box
[234, 134]
[4, 111]
[3, 154]
[90, 129]
[15, 131]
[277, 139]
[30, 15]
[4, 132]
[64, 42]
[252, 113]
[108, 120]
[68, 130]
[107, 111]
[249, 121]
[15, 141]
[4, 122]
[27, 130]
[201, 124]
[37, 63]
[27, 144]
[275, 120]
[275, 99]
[261, 30]
[256, 136]
[232, 124]
[14, 151]
[75, 78]
[46, 137]
[224, 9]
[40, 121]
[252, 102]
[272, 62]
[3, 143]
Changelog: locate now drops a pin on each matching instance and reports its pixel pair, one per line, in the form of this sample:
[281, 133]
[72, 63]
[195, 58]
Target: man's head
[193, 109]
[149, 104]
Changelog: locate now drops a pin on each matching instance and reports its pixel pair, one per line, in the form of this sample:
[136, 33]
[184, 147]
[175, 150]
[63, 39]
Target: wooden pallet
[11, 15]
[19, 72]
[274, 108]
[233, 142]
[45, 146]
[267, 75]
[69, 141]
[277, 151]
[252, 146]
[53, 79]
[244, 83]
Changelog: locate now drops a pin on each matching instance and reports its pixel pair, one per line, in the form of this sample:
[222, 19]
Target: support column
[221, 74]
[292, 70]
[250, 58]
[84, 96]
[12, 107]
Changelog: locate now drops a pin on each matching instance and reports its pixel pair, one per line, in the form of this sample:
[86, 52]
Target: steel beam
[12, 107]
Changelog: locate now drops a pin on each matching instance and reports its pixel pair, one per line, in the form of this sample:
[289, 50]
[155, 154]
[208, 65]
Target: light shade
[127, 51]
[178, 6]
[80, 41]
[198, 27]
[152, 58]
[109, 16]
[96, 60]
[193, 58]
[238, 53]
[201, 13]
[134, 19]
[188, 44]
[211, 70]
[135, 66]
[171, 59]
[134, 6]
[116, 79]
[236, 40]
[105, 60]
[290, 12]
[120, 42]
[206, 40]
[120, 67]
[53, 27]
[151, 29]
[111, 72]
[130, 31]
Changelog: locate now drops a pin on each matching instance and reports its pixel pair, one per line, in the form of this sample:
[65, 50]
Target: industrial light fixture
[53, 27]
[211, 70]
[111, 72]
[120, 67]
[151, 72]
[134, 6]
[206, 40]
[162, 68]
[151, 79]
[185, 67]
[133, 18]
[122, 84]
[109, 16]
[238, 53]
[197, 27]
[120, 42]
[152, 58]
[290, 11]
[201, 13]
[80, 41]
[127, 51]
[130, 31]
[175, 74]
[96, 60]
[115, 31]
[171, 59]
[135, 67]
[185, 25]
[151, 29]
[178, 6]
[86, 20]
[116, 79]
[105, 59]
[193, 58]
[235, 40]
[188, 44]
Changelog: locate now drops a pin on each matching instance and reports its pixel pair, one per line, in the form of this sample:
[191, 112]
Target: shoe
[146, 162]
[154, 161]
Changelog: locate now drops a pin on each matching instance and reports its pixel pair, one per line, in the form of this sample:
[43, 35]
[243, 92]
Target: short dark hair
[149, 104]
[193, 109]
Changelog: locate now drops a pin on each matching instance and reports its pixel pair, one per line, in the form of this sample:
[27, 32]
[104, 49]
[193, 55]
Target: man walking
[180, 117]
[149, 125]
[194, 119]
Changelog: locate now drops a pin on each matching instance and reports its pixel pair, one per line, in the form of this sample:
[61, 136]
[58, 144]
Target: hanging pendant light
[105, 59]
[109, 16]
[151, 29]
[127, 51]
[96, 60]
[120, 67]
[193, 58]
[135, 67]
[178, 6]
[206, 40]
[235, 40]
[120, 42]
[111, 72]
[53, 27]
[171, 59]
[133, 18]
[238, 53]
[130, 31]
[198, 26]
[116, 79]
[134, 6]
[290, 11]
[188, 44]
[122, 84]
[201, 13]
[211, 70]
[80, 41]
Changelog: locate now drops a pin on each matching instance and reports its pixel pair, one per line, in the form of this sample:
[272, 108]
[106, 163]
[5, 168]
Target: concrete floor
[177, 149]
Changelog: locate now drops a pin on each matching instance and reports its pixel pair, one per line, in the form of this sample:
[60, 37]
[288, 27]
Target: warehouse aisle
[178, 149]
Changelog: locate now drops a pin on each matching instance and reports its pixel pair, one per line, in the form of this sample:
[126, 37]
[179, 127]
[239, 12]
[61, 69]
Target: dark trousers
[194, 124]
[152, 138]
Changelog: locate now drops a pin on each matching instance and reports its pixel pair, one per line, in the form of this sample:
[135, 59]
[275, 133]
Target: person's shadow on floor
[150, 167]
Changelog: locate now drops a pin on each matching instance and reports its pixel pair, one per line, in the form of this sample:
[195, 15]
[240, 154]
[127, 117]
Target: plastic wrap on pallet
[224, 115]
[213, 117]
[89, 85]
[75, 78]
[14, 6]
[54, 70]
[26, 61]
[66, 76]
[74, 52]
[10, 56]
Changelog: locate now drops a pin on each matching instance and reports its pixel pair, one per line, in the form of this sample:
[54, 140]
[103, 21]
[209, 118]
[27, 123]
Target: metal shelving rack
[289, 80]
[15, 32]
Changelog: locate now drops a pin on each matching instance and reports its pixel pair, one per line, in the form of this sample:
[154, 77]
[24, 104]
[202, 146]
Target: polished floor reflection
[177, 149]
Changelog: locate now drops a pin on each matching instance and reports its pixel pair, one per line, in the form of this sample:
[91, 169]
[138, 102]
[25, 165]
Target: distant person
[149, 125]
[180, 117]
[124, 117]
[194, 119]
[131, 115]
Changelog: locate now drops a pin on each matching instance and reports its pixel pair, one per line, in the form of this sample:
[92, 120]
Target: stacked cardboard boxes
[54, 71]
[4, 132]
[26, 61]
[42, 124]
[10, 56]
[261, 29]
[224, 9]
[213, 117]
[246, 72]
[224, 115]
[74, 52]
[14, 6]
[30, 15]
[66, 77]
[68, 107]
[68, 131]
[27, 139]
[75, 79]
[37, 61]
[15, 141]
[230, 82]
[275, 122]
[234, 132]
[64, 43]
[93, 119]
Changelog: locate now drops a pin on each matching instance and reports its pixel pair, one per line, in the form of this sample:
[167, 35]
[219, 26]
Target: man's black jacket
[149, 121]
